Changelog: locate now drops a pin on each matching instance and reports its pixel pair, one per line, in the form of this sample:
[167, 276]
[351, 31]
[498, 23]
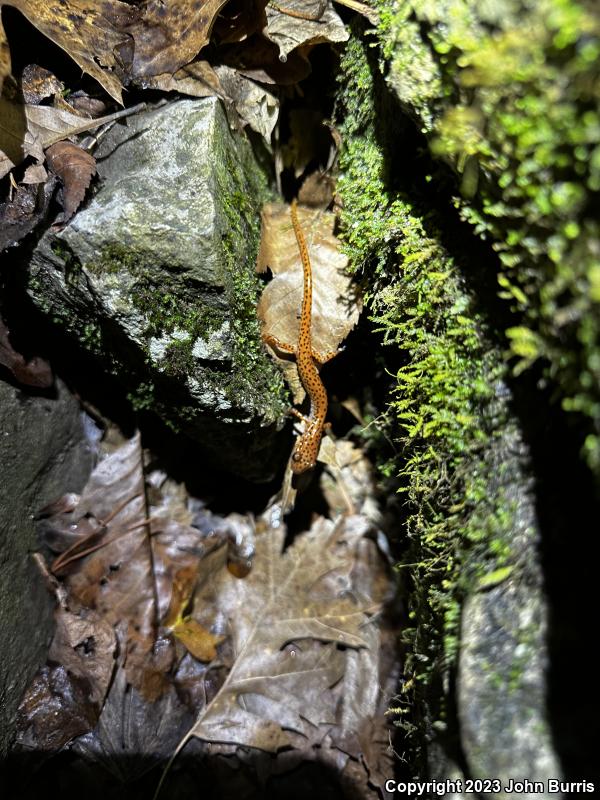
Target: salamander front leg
[277, 344]
[295, 413]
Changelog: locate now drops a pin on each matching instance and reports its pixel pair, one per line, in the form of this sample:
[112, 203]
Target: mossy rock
[155, 277]
[507, 94]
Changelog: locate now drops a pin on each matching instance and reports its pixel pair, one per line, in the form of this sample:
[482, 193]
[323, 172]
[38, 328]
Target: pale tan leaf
[197, 79]
[256, 105]
[35, 173]
[297, 23]
[335, 308]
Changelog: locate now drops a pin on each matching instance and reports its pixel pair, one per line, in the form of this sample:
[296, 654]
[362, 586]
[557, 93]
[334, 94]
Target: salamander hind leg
[323, 358]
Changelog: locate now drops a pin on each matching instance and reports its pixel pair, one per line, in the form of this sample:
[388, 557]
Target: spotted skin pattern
[306, 450]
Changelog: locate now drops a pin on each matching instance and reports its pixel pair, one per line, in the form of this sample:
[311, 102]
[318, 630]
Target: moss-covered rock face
[463, 468]
[507, 93]
[156, 278]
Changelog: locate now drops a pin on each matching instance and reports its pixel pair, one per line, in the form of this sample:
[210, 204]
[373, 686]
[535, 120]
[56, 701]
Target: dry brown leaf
[133, 734]
[35, 372]
[107, 562]
[65, 698]
[38, 83]
[297, 23]
[75, 167]
[287, 620]
[88, 30]
[256, 105]
[197, 79]
[35, 173]
[29, 130]
[54, 710]
[168, 36]
[335, 309]
[26, 210]
[116, 576]
[348, 484]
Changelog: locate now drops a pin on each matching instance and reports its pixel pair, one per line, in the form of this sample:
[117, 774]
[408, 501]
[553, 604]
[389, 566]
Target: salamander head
[304, 456]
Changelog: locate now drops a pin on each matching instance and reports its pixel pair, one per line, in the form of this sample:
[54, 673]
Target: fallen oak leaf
[114, 575]
[75, 167]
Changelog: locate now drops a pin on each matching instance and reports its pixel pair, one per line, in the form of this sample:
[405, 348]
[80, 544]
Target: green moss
[444, 414]
[253, 372]
[512, 106]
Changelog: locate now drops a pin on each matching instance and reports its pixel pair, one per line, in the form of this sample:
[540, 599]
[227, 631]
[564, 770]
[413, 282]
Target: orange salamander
[306, 450]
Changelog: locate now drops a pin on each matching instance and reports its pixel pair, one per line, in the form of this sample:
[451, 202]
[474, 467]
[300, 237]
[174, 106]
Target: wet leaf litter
[158, 639]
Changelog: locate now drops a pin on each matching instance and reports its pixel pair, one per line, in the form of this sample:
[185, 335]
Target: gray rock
[43, 453]
[502, 682]
[156, 278]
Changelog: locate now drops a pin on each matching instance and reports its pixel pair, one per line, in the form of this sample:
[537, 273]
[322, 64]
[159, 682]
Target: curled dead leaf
[297, 23]
[29, 130]
[38, 83]
[168, 36]
[75, 167]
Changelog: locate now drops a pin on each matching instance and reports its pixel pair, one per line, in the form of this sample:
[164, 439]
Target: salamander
[306, 449]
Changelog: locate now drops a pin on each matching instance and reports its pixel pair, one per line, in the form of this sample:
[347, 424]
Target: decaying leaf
[348, 484]
[86, 29]
[117, 576]
[335, 309]
[55, 709]
[168, 36]
[287, 620]
[75, 167]
[197, 79]
[256, 105]
[35, 372]
[35, 173]
[297, 23]
[29, 130]
[66, 697]
[38, 83]
[144, 732]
